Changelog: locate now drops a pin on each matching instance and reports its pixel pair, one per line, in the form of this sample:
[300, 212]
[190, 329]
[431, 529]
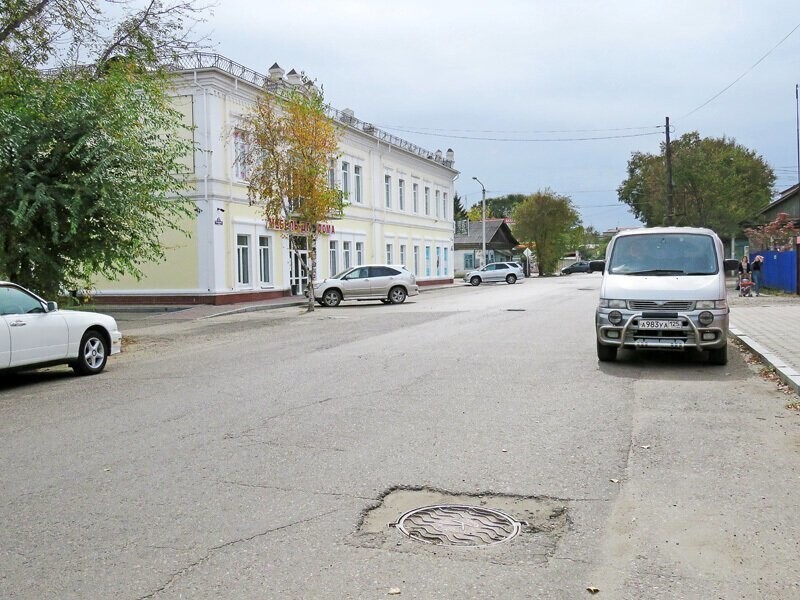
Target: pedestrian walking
[744, 270]
[756, 268]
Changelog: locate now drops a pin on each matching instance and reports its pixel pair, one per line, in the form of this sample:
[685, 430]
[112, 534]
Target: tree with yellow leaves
[290, 143]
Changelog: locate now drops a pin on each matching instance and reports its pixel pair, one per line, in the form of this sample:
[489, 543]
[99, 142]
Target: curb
[299, 302]
[786, 372]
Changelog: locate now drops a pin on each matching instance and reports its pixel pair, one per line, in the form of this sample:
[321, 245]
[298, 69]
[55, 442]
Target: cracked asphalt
[237, 456]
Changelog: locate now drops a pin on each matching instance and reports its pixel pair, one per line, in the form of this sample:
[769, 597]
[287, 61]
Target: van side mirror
[731, 264]
[597, 265]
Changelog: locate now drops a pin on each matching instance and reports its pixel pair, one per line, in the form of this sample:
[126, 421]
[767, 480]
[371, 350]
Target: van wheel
[511, 279]
[718, 356]
[606, 353]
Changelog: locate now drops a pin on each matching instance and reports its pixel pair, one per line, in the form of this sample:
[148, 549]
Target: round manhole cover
[458, 525]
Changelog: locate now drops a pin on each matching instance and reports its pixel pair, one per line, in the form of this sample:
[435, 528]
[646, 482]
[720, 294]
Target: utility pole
[668, 152]
[797, 109]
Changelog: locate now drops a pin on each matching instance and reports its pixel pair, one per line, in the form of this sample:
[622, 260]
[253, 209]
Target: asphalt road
[263, 455]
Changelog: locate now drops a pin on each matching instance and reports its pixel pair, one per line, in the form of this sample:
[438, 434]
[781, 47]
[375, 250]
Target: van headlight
[705, 318]
[607, 303]
[712, 304]
[615, 317]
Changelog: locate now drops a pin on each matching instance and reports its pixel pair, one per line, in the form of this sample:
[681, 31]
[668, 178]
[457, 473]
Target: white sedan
[35, 333]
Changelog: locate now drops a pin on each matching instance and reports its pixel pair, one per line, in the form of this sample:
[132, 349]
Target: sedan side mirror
[597, 265]
[51, 306]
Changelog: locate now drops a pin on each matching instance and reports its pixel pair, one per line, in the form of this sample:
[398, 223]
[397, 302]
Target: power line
[442, 130]
[494, 139]
[735, 81]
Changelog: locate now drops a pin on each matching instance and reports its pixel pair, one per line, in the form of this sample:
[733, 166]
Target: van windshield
[664, 254]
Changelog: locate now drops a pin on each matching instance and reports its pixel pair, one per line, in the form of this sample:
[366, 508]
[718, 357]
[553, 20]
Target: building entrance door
[298, 274]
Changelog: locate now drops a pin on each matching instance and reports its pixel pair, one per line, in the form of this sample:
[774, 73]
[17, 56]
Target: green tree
[589, 242]
[88, 175]
[717, 184]
[547, 220]
[475, 212]
[291, 143]
[459, 213]
[90, 157]
[502, 207]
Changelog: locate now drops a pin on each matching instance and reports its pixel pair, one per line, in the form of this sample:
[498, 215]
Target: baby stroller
[745, 286]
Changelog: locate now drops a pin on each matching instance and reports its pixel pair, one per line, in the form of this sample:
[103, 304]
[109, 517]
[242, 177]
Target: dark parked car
[582, 266]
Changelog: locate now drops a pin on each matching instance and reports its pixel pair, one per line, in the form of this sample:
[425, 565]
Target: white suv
[509, 272]
[390, 284]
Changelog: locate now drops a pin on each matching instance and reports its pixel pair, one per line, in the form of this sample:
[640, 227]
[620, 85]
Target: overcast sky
[478, 77]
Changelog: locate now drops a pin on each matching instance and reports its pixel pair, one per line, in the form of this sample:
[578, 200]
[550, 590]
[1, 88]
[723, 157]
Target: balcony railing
[206, 60]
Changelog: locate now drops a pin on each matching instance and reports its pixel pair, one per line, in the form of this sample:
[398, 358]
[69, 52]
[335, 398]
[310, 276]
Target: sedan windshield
[664, 254]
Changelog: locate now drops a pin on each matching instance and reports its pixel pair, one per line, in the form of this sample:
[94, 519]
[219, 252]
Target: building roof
[204, 60]
[498, 235]
[783, 197]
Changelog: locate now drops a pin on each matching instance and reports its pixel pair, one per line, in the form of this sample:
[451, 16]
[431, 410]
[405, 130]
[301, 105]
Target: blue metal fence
[779, 270]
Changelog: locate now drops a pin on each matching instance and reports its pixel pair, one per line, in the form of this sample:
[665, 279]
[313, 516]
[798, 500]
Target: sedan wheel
[92, 355]
[332, 298]
[397, 295]
[475, 280]
[511, 279]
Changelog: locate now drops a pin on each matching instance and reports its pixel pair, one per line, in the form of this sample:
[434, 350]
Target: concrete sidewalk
[769, 325]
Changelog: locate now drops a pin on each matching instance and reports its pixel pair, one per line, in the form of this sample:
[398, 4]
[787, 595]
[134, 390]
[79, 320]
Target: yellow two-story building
[400, 207]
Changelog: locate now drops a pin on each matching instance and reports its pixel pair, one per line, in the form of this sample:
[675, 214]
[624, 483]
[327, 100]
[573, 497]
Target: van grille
[671, 305]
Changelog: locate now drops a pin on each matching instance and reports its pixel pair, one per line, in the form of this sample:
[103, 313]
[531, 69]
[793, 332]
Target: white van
[663, 288]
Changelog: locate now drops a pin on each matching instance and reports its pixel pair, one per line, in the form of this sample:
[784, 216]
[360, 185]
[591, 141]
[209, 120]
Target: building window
[402, 254]
[243, 259]
[427, 261]
[264, 260]
[332, 175]
[346, 178]
[333, 245]
[401, 194]
[387, 182]
[240, 155]
[437, 203]
[357, 184]
[427, 200]
[359, 253]
[389, 254]
[446, 267]
[416, 260]
[444, 206]
[438, 261]
[346, 254]
[415, 197]
[469, 261]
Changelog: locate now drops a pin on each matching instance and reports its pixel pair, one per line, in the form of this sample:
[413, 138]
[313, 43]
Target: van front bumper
[691, 334]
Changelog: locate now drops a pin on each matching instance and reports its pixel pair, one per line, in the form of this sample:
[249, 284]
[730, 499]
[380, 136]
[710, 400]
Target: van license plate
[660, 324]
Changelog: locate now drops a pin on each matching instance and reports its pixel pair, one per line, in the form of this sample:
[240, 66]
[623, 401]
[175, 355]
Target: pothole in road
[515, 529]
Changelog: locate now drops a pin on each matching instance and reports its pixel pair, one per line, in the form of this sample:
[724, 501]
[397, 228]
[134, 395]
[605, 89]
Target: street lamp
[483, 220]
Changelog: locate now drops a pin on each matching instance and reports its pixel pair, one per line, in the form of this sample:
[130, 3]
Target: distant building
[788, 201]
[400, 203]
[500, 243]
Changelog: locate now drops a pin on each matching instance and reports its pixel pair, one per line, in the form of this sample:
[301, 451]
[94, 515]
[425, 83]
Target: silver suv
[390, 284]
[498, 271]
